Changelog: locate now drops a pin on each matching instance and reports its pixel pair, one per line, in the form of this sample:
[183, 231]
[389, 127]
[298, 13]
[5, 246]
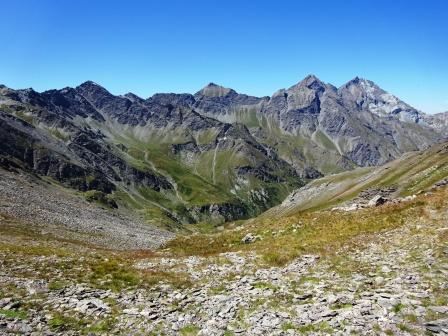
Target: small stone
[4, 302]
[377, 201]
[303, 296]
[249, 238]
[385, 269]
[131, 311]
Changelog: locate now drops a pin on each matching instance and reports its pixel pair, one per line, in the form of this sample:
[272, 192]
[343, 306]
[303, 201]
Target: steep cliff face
[84, 162]
[21, 149]
[439, 122]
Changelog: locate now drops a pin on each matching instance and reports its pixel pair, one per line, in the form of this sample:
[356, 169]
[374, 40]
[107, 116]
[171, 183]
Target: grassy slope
[316, 150]
[149, 149]
[322, 232]
[199, 183]
[413, 172]
[311, 148]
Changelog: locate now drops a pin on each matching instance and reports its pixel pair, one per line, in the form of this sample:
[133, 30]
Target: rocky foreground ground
[394, 282]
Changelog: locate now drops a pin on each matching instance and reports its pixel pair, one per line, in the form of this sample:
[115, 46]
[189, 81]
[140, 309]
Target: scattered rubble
[56, 212]
[378, 200]
[383, 286]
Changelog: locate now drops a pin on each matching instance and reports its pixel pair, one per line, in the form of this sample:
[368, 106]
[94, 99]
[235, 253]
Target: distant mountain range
[214, 156]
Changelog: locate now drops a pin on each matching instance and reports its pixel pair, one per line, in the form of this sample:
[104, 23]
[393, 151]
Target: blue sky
[255, 47]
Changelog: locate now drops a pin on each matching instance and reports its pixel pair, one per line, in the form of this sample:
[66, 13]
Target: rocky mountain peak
[90, 88]
[369, 96]
[4, 89]
[133, 97]
[362, 84]
[214, 90]
[310, 79]
[310, 82]
[355, 81]
[93, 91]
[90, 83]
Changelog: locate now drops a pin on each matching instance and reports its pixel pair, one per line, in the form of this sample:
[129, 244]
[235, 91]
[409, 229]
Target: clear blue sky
[255, 47]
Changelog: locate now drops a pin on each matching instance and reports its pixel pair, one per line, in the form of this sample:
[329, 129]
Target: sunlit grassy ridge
[283, 239]
[414, 172]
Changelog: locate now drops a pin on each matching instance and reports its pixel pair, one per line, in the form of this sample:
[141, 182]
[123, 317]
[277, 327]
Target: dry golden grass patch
[31, 253]
[324, 232]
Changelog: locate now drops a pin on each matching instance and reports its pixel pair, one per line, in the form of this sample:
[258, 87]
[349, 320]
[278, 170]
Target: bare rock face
[298, 107]
[84, 163]
[219, 213]
[369, 96]
[359, 120]
[439, 122]
[41, 156]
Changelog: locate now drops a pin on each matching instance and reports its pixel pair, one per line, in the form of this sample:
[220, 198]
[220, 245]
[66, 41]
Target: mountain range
[213, 156]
